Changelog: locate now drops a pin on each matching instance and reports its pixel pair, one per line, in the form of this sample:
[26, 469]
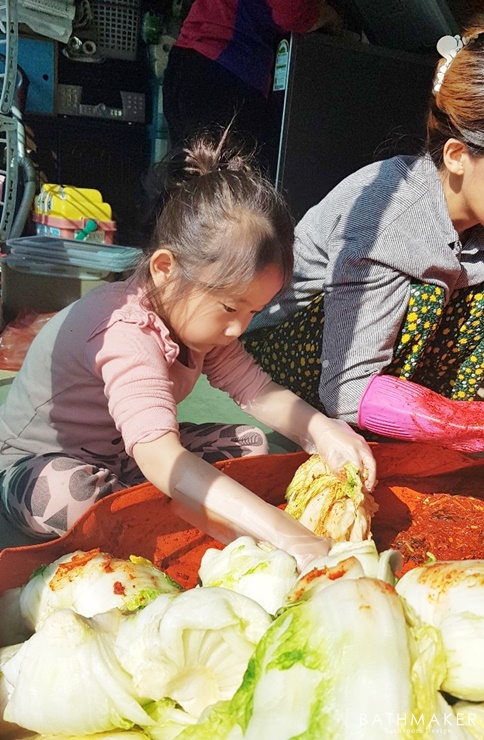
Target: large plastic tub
[44, 274]
[430, 500]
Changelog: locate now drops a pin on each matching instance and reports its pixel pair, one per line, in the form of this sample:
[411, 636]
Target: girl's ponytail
[206, 156]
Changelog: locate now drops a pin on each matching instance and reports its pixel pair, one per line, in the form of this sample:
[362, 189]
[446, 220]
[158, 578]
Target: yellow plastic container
[69, 202]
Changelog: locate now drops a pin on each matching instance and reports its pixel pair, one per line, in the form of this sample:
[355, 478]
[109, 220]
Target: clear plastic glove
[305, 549]
[337, 443]
[224, 509]
[333, 439]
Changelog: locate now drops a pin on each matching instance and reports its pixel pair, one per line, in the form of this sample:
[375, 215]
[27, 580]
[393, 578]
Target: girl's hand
[220, 506]
[307, 548]
[337, 443]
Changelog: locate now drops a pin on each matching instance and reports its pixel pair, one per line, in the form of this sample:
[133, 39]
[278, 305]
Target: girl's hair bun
[223, 220]
[211, 152]
[207, 155]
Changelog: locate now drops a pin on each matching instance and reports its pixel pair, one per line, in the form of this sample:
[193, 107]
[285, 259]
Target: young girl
[93, 408]
[388, 280]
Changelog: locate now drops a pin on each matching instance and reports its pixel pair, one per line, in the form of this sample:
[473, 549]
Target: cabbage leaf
[255, 569]
[331, 505]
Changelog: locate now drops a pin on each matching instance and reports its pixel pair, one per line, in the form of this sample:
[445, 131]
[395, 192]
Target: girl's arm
[334, 440]
[210, 500]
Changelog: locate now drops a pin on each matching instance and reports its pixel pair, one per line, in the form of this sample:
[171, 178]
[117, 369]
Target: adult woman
[391, 264]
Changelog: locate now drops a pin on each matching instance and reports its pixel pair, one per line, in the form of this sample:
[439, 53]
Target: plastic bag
[17, 336]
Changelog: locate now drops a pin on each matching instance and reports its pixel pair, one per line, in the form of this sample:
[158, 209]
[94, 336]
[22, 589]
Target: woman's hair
[457, 108]
[221, 218]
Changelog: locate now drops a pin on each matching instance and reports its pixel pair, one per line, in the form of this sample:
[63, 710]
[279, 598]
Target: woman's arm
[365, 303]
[218, 505]
[303, 16]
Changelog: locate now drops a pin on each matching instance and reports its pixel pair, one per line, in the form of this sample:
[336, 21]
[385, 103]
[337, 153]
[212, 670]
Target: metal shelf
[9, 51]
[8, 174]
[11, 127]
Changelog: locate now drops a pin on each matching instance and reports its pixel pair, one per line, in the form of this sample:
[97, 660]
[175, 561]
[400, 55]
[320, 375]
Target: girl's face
[204, 320]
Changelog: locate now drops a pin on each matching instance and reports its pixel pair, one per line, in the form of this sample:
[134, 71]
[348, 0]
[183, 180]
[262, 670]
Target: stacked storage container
[73, 213]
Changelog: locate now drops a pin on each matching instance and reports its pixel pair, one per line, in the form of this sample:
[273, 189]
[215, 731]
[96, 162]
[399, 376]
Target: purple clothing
[240, 34]
[103, 375]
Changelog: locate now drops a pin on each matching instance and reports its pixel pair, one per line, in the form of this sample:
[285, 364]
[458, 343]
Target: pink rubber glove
[401, 409]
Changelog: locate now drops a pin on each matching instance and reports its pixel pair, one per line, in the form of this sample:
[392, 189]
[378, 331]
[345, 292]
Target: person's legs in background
[291, 351]
[441, 346]
[199, 93]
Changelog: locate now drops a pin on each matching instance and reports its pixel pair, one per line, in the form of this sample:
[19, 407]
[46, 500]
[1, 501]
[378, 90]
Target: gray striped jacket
[362, 245]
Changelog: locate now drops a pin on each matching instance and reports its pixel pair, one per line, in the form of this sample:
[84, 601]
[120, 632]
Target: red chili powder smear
[448, 527]
[469, 416]
[425, 522]
[119, 589]
[70, 570]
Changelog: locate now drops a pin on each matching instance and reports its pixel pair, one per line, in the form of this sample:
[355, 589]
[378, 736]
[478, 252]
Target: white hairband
[447, 46]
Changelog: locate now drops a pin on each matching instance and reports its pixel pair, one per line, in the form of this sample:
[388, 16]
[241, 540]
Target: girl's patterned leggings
[43, 495]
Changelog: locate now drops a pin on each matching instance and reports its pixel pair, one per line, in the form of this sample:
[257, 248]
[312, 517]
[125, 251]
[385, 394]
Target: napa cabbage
[193, 648]
[66, 679]
[91, 583]
[335, 666]
[450, 596]
[258, 570]
[330, 505]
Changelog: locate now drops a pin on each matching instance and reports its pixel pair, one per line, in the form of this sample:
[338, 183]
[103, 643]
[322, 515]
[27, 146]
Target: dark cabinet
[101, 144]
[110, 157]
[346, 104]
